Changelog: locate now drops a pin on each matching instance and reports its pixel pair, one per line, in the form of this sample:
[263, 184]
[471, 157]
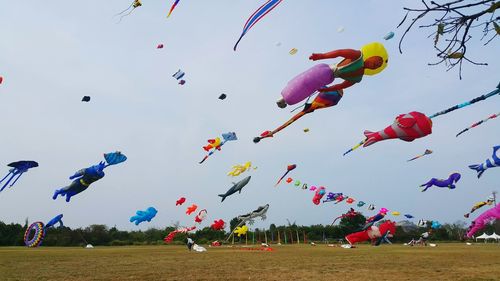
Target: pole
[279, 240]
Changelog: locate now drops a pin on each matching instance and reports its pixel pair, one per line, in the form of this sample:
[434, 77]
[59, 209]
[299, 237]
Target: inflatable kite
[350, 200]
[170, 237]
[478, 205]
[218, 225]
[322, 100]
[256, 17]
[84, 177]
[159, 46]
[371, 207]
[35, 233]
[241, 230]
[293, 51]
[370, 60]
[178, 75]
[494, 161]
[427, 152]
[482, 220]
[130, 9]
[408, 216]
[142, 216]
[216, 144]
[288, 169]
[414, 125]
[191, 209]
[372, 233]
[236, 170]
[1, 79]
[372, 220]
[180, 201]
[435, 225]
[360, 204]
[389, 35]
[17, 169]
[235, 188]
[222, 97]
[350, 214]
[320, 192]
[395, 213]
[85, 99]
[449, 182]
[200, 216]
[478, 123]
[172, 8]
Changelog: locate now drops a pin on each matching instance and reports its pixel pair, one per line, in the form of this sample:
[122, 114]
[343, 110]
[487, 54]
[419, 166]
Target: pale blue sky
[54, 52]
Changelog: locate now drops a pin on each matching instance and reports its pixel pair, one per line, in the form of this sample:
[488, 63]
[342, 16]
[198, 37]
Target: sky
[54, 52]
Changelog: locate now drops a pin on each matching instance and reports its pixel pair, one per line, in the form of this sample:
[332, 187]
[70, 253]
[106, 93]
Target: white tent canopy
[483, 236]
[494, 236]
[486, 237]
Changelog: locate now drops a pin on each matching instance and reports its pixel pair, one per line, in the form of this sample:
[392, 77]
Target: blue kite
[84, 177]
[142, 216]
[18, 168]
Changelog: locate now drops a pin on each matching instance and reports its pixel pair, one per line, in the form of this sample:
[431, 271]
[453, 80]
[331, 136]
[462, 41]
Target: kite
[86, 98]
[372, 220]
[173, 7]
[142, 216]
[422, 223]
[427, 152]
[478, 123]
[235, 188]
[478, 205]
[370, 60]
[1, 79]
[389, 35]
[159, 46]
[435, 225]
[395, 213]
[35, 233]
[241, 230]
[84, 177]
[178, 75]
[449, 182]
[340, 29]
[306, 130]
[236, 170]
[218, 225]
[482, 220]
[360, 204]
[494, 161]
[259, 212]
[372, 233]
[414, 125]
[322, 100]
[191, 209]
[130, 9]
[200, 216]
[180, 201]
[350, 200]
[371, 207]
[288, 169]
[170, 237]
[216, 144]
[320, 192]
[350, 214]
[293, 51]
[18, 169]
[408, 216]
[222, 96]
[256, 17]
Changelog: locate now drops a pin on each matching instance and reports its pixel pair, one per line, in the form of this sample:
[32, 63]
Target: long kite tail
[268, 134]
[124, 10]
[478, 123]
[279, 181]
[172, 8]
[356, 146]
[416, 157]
[458, 106]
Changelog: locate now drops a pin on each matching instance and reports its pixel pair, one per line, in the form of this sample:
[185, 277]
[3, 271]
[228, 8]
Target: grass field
[291, 262]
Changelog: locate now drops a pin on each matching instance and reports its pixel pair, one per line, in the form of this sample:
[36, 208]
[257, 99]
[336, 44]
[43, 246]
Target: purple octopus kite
[450, 182]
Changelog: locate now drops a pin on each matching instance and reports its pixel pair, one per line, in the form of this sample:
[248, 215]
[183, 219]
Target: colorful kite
[427, 152]
[180, 201]
[241, 230]
[216, 144]
[478, 123]
[218, 225]
[494, 161]
[478, 205]
[293, 51]
[172, 8]
[372, 220]
[35, 233]
[370, 60]
[389, 35]
[256, 17]
[372, 233]
[408, 216]
[18, 169]
[449, 182]
[170, 237]
[159, 46]
[482, 220]
[191, 209]
[320, 192]
[236, 170]
[178, 75]
[142, 216]
[414, 125]
[288, 169]
[322, 100]
[350, 214]
[130, 9]
[200, 216]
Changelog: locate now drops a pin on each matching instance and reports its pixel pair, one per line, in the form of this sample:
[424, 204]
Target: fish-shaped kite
[494, 161]
[256, 17]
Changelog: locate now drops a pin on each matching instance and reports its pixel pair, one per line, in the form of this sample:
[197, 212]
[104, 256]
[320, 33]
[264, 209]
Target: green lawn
[290, 262]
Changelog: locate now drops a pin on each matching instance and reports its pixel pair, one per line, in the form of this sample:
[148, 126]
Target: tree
[454, 24]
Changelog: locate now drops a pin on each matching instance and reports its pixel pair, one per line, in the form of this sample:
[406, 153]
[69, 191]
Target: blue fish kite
[256, 17]
[494, 161]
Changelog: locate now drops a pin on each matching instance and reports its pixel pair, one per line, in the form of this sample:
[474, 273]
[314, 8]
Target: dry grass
[297, 262]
